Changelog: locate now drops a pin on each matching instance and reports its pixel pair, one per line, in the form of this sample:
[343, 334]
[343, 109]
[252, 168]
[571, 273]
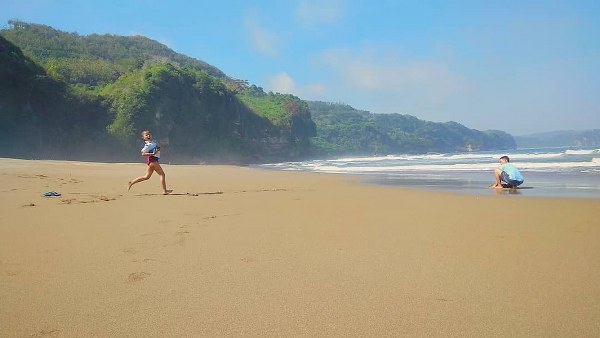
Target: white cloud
[393, 82]
[283, 83]
[261, 39]
[366, 71]
[311, 12]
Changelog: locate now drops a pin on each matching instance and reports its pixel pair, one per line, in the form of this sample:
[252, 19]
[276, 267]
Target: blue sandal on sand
[51, 193]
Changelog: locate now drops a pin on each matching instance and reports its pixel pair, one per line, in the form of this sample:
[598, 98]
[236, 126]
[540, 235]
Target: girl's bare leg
[163, 180]
[149, 172]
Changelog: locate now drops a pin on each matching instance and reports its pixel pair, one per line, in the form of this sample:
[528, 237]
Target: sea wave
[582, 151]
[590, 166]
[540, 159]
[445, 157]
[372, 159]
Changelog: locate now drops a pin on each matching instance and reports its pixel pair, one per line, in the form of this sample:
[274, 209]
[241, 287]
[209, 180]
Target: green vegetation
[345, 130]
[66, 96]
[105, 56]
[69, 105]
[267, 105]
[284, 111]
[42, 117]
[197, 116]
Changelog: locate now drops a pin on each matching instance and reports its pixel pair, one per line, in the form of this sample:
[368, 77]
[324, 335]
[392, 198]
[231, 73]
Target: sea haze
[548, 172]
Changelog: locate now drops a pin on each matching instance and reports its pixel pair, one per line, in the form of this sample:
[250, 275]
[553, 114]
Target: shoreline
[536, 185]
[548, 172]
[238, 251]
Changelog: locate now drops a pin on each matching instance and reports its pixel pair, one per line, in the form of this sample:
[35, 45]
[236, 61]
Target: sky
[519, 66]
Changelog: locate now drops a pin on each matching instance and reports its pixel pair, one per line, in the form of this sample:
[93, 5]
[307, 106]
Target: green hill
[94, 59]
[345, 130]
[62, 95]
[39, 116]
[197, 117]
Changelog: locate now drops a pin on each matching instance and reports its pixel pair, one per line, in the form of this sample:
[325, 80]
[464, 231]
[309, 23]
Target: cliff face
[197, 116]
[39, 116]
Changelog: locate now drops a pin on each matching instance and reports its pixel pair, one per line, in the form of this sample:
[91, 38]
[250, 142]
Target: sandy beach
[241, 252]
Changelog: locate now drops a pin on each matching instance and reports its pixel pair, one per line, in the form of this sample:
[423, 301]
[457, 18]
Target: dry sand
[250, 253]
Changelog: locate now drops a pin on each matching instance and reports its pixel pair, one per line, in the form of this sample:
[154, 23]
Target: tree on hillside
[345, 130]
[123, 53]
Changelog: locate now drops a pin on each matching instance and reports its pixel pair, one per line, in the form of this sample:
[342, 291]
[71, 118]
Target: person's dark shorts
[508, 181]
[151, 159]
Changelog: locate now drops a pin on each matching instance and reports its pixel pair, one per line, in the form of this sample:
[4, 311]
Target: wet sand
[240, 252]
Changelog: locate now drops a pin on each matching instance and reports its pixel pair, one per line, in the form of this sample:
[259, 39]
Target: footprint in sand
[444, 300]
[67, 181]
[208, 218]
[46, 333]
[129, 250]
[137, 276]
[182, 236]
[149, 234]
[88, 198]
[145, 260]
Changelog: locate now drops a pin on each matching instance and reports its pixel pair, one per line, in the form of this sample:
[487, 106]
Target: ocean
[549, 172]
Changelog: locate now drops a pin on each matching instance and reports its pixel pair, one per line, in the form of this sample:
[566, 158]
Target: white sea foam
[544, 160]
[594, 163]
[446, 157]
[371, 159]
[582, 152]
[524, 166]
[579, 169]
[535, 156]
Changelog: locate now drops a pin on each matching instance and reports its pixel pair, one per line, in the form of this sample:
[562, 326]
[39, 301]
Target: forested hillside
[195, 115]
[41, 117]
[94, 59]
[345, 130]
[66, 96]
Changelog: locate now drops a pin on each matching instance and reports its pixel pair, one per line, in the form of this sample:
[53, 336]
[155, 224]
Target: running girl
[152, 153]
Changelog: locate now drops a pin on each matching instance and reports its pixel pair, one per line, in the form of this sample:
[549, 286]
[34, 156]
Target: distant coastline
[561, 138]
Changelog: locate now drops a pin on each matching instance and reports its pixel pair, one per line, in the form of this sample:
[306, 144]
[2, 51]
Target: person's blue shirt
[513, 173]
[149, 147]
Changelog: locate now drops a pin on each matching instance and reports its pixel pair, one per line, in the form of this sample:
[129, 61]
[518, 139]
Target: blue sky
[519, 66]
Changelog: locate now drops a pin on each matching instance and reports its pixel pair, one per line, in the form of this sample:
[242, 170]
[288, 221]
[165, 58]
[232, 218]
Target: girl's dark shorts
[151, 159]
